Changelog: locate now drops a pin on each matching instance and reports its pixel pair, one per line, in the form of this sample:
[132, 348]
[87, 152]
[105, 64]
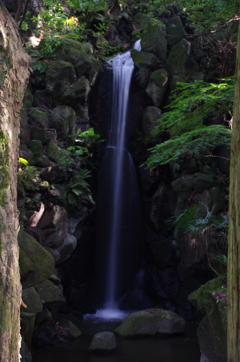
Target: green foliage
[28, 176]
[84, 141]
[181, 221]
[191, 104]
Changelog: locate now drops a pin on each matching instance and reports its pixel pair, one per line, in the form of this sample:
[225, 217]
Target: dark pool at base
[182, 348]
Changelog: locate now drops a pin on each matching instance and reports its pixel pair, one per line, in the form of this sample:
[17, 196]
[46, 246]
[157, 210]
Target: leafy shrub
[190, 106]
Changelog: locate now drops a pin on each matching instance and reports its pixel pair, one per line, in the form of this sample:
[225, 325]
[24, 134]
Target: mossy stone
[62, 120]
[157, 86]
[36, 147]
[180, 62]
[53, 151]
[175, 31]
[59, 76]
[36, 264]
[39, 125]
[154, 41]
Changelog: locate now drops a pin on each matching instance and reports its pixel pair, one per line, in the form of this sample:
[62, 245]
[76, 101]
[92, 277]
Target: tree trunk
[14, 72]
[234, 227]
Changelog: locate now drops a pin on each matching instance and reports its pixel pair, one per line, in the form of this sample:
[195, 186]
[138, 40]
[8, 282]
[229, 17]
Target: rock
[25, 353]
[103, 343]
[25, 130]
[154, 41]
[185, 66]
[54, 226]
[163, 206]
[140, 20]
[27, 99]
[144, 63]
[41, 161]
[150, 322]
[202, 182]
[59, 76]
[150, 117]
[51, 295]
[156, 86]
[175, 31]
[53, 151]
[67, 248]
[73, 331]
[26, 153]
[32, 300]
[204, 358]
[55, 174]
[77, 92]
[36, 147]
[143, 59]
[36, 264]
[27, 327]
[39, 125]
[82, 114]
[62, 120]
[211, 300]
[42, 98]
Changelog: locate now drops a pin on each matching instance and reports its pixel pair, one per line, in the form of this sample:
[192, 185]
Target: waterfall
[119, 209]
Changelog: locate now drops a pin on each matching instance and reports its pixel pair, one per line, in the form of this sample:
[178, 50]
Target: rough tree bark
[14, 72]
[234, 227]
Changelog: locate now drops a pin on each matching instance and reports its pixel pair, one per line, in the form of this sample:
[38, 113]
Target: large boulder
[51, 295]
[54, 226]
[39, 124]
[77, 92]
[144, 63]
[36, 264]
[211, 300]
[180, 62]
[103, 343]
[154, 41]
[150, 322]
[59, 76]
[157, 86]
[32, 301]
[175, 31]
[62, 120]
[149, 121]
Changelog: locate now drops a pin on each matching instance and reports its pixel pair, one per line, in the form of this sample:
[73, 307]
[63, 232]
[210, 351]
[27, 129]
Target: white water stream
[122, 69]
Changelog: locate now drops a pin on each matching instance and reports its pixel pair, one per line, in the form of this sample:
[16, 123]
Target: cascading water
[119, 218]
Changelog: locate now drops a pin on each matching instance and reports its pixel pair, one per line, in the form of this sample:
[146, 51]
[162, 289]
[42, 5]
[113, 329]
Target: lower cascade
[119, 221]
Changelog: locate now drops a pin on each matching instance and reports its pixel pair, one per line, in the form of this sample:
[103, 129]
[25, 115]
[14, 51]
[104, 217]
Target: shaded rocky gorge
[58, 242]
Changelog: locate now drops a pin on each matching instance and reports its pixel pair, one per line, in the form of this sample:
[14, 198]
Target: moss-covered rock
[175, 31]
[140, 20]
[39, 125]
[59, 76]
[51, 295]
[36, 147]
[32, 301]
[103, 343]
[150, 322]
[150, 116]
[26, 153]
[154, 41]
[210, 299]
[62, 120]
[180, 62]
[36, 264]
[28, 99]
[77, 92]
[53, 151]
[157, 86]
